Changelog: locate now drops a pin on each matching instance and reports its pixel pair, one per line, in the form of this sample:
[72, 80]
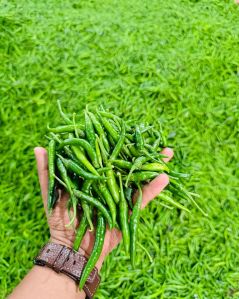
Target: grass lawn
[176, 61]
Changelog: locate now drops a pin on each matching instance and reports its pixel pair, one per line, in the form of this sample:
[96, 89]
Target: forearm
[43, 282]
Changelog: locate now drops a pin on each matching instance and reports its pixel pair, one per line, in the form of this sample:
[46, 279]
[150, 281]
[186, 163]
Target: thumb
[42, 168]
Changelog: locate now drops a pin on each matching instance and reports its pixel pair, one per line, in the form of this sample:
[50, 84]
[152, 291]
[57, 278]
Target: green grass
[177, 61]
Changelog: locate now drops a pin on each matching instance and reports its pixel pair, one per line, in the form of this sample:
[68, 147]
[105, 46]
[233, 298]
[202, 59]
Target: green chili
[119, 144]
[52, 196]
[63, 115]
[86, 208]
[85, 145]
[80, 232]
[112, 184]
[68, 129]
[134, 220]
[93, 201]
[89, 130]
[123, 215]
[99, 129]
[66, 180]
[143, 176]
[109, 201]
[139, 139]
[74, 167]
[96, 251]
[136, 165]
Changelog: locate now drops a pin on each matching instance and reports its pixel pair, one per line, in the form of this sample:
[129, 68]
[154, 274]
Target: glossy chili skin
[93, 201]
[88, 211]
[112, 184]
[85, 145]
[73, 201]
[99, 129]
[134, 220]
[75, 168]
[119, 144]
[68, 129]
[123, 215]
[51, 169]
[89, 130]
[136, 165]
[96, 251]
[109, 200]
[80, 232]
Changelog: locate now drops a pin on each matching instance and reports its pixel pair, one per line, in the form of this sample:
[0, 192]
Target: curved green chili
[112, 184]
[80, 232]
[89, 130]
[85, 145]
[136, 165]
[143, 176]
[64, 176]
[123, 215]
[96, 251]
[72, 166]
[109, 200]
[83, 160]
[99, 129]
[119, 144]
[93, 201]
[63, 115]
[52, 196]
[139, 139]
[86, 208]
[134, 220]
[68, 129]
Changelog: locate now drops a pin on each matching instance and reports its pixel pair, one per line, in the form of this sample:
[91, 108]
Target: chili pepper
[122, 164]
[98, 154]
[63, 115]
[104, 169]
[128, 195]
[93, 201]
[119, 144]
[86, 208]
[72, 166]
[80, 232]
[68, 129]
[96, 251]
[64, 176]
[143, 176]
[134, 220]
[89, 130]
[104, 154]
[136, 165]
[52, 196]
[83, 160]
[172, 202]
[155, 167]
[139, 139]
[156, 143]
[111, 131]
[123, 215]
[109, 201]
[99, 129]
[112, 184]
[85, 145]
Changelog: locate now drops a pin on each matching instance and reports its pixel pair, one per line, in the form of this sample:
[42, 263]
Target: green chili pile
[101, 161]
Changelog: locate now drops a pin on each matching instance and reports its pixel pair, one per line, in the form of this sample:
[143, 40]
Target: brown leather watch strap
[65, 260]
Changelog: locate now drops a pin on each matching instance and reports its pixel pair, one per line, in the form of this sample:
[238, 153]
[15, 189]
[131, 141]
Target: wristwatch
[65, 260]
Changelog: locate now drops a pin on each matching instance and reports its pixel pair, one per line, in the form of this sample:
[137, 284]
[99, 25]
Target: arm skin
[44, 283]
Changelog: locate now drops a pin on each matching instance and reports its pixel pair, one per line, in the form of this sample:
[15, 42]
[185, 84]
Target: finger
[151, 190]
[167, 152]
[42, 167]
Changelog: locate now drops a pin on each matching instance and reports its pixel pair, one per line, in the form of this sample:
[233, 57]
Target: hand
[59, 217]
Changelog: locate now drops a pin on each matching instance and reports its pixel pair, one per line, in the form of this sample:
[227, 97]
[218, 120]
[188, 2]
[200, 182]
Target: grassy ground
[176, 61]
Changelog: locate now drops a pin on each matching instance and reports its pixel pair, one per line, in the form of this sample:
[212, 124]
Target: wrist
[82, 251]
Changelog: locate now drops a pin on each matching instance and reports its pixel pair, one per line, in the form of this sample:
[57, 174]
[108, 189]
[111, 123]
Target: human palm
[59, 218]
